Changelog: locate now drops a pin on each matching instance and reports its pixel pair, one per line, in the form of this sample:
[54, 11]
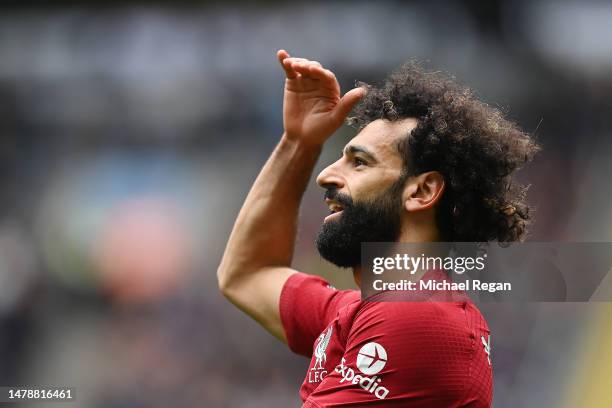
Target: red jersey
[391, 354]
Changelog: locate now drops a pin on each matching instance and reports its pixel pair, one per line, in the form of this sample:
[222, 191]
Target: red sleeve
[410, 354]
[307, 304]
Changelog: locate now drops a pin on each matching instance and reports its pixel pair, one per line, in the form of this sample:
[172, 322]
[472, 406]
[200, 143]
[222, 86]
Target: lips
[335, 209]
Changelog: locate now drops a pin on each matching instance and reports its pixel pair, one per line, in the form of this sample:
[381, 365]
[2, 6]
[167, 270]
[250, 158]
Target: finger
[324, 75]
[348, 101]
[282, 54]
[305, 68]
[301, 65]
[304, 60]
[284, 59]
[290, 73]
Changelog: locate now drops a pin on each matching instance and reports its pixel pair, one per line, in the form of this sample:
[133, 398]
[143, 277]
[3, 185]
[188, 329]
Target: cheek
[371, 184]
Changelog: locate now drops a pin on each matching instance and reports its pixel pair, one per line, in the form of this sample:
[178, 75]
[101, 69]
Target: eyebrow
[354, 149]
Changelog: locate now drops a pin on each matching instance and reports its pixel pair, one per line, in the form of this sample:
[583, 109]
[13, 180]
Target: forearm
[256, 263]
[264, 232]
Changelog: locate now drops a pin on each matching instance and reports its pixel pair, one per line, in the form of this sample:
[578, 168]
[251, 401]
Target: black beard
[378, 220]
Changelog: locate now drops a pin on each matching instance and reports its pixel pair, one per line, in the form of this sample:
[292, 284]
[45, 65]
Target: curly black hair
[469, 142]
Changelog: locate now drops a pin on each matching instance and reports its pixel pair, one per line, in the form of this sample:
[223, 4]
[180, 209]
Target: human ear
[423, 191]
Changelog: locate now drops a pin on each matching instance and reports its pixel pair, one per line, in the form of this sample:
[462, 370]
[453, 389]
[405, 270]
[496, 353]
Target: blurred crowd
[130, 135]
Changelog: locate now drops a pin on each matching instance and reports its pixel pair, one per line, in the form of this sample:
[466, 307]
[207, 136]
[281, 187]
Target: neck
[357, 275]
[408, 235]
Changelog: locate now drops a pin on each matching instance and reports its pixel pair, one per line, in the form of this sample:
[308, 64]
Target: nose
[330, 177]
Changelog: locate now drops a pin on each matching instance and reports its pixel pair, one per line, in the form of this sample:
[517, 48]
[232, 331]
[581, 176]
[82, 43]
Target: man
[430, 163]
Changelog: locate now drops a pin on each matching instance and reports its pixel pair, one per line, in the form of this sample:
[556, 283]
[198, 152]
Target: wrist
[301, 144]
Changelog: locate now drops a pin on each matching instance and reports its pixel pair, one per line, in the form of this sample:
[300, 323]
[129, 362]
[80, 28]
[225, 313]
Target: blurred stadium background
[129, 136]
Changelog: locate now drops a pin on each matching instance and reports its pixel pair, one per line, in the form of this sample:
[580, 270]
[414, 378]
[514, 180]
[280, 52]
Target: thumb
[348, 101]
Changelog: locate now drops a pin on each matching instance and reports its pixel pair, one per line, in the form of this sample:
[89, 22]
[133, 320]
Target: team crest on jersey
[317, 372]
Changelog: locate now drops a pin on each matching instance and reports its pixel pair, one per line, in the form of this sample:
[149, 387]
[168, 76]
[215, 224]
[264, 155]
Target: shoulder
[307, 304]
[302, 286]
[402, 316]
[416, 332]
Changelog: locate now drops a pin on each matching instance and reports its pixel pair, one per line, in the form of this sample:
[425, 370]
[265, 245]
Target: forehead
[381, 137]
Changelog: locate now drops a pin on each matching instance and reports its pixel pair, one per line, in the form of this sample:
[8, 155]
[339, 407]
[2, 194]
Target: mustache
[342, 199]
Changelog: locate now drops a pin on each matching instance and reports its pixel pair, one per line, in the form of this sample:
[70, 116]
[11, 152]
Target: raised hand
[313, 107]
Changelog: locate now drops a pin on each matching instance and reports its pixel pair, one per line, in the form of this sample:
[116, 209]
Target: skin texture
[257, 259]
[371, 163]
[362, 175]
[359, 174]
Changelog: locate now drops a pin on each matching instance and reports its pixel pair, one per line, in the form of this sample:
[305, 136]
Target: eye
[357, 162]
